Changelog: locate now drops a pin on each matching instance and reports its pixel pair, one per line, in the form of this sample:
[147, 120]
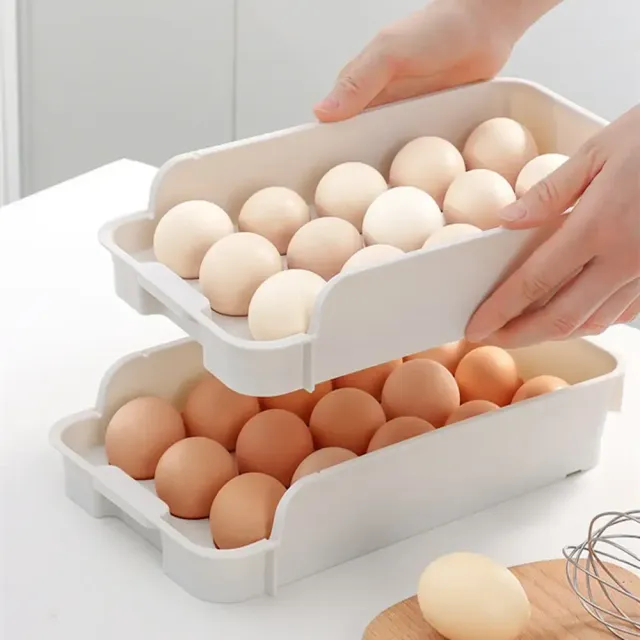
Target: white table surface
[68, 576]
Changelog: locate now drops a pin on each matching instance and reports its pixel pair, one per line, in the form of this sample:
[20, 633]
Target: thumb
[551, 197]
[357, 85]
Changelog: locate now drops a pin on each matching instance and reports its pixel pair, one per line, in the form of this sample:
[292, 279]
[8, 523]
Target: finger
[357, 85]
[631, 313]
[552, 196]
[571, 308]
[554, 262]
[414, 86]
[613, 310]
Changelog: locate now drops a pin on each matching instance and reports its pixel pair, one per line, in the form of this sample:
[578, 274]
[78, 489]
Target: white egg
[502, 145]
[428, 163]
[282, 305]
[186, 232]
[538, 169]
[323, 246]
[452, 233]
[403, 217]
[275, 213]
[465, 596]
[347, 190]
[234, 268]
[477, 197]
[375, 254]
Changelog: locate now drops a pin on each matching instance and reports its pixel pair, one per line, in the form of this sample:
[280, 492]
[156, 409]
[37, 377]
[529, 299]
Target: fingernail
[513, 212]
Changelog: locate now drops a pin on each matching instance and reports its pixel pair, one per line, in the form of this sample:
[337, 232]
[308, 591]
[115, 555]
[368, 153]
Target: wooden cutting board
[557, 613]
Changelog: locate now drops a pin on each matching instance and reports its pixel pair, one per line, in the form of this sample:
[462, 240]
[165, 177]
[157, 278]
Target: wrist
[511, 18]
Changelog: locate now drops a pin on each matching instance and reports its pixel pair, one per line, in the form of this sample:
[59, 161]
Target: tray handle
[184, 302]
[133, 499]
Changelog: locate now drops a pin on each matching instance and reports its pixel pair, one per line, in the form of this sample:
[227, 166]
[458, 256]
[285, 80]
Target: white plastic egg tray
[423, 299]
[358, 506]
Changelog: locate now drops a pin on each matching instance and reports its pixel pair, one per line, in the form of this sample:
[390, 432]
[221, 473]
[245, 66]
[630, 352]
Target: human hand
[590, 266]
[448, 43]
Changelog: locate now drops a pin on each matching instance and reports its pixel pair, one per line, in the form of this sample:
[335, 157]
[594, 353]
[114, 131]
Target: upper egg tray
[422, 299]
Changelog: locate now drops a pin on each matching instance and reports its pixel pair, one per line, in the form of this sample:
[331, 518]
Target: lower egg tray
[357, 506]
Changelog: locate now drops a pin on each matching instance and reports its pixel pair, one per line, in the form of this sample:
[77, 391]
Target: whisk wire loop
[603, 595]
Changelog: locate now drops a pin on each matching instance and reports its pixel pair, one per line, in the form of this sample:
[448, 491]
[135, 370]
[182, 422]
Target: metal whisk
[602, 594]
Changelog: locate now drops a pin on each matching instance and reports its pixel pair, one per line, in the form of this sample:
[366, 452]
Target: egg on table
[466, 596]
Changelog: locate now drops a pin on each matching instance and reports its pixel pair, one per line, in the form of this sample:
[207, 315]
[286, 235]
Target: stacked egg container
[361, 319]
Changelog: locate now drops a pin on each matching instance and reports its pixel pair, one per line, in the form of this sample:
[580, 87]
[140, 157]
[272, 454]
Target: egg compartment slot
[423, 299]
[344, 512]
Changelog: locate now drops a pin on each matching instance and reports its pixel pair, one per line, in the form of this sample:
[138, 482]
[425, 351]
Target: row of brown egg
[231, 457]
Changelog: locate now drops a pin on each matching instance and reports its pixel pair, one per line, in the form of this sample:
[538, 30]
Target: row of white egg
[362, 220]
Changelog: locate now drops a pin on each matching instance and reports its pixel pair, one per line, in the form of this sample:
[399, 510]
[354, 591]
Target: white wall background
[106, 79]
[147, 79]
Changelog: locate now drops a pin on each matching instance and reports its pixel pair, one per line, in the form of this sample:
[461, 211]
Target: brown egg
[421, 388]
[397, 430]
[370, 380]
[322, 459]
[300, 402]
[274, 442]
[448, 354]
[538, 386]
[346, 418]
[214, 411]
[244, 509]
[488, 373]
[189, 475]
[139, 433]
[471, 409]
